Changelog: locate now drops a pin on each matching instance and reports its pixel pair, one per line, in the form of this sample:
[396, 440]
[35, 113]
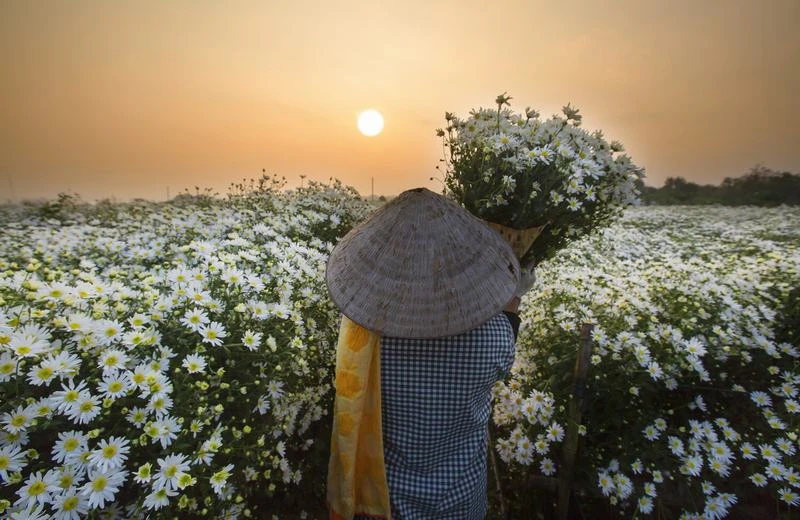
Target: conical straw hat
[422, 267]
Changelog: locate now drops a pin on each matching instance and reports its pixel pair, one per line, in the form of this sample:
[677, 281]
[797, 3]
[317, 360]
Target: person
[441, 291]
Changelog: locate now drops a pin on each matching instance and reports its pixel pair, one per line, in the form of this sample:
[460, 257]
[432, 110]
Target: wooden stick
[574, 414]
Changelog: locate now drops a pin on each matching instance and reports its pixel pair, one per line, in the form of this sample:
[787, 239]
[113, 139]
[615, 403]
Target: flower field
[692, 394]
[176, 359]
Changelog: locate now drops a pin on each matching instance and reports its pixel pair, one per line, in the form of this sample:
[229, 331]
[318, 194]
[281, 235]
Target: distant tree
[760, 186]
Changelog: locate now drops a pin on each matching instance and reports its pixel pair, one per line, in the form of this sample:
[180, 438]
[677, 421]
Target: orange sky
[131, 98]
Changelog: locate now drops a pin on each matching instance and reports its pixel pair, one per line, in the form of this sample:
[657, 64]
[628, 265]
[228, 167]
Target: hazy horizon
[129, 99]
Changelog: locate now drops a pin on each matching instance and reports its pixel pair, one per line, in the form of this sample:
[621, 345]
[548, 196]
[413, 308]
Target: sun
[370, 122]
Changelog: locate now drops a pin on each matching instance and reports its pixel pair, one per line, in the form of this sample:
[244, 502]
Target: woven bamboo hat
[422, 267]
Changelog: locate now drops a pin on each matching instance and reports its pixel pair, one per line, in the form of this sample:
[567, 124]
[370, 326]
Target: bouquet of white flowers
[549, 177]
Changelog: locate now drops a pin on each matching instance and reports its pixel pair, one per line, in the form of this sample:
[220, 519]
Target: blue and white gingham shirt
[436, 407]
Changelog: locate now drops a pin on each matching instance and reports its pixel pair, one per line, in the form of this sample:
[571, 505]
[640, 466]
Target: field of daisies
[176, 359]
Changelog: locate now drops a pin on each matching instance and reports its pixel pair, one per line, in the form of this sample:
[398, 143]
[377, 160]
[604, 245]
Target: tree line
[761, 186]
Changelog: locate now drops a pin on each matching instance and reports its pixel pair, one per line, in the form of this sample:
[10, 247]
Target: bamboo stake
[575, 411]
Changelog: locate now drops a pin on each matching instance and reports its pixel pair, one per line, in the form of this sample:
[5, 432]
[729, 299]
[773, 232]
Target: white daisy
[195, 318]
[115, 384]
[18, 420]
[219, 480]
[137, 416]
[69, 446]
[194, 364]
[252, 340]
[110, 454]
[213, 333]
[69, 395]
[12, 459]
[37, 489]
[159, 498]
[112, 359]
[85, 409]
[70, 505]
[169, 470]
[8, 366]
[101, 487]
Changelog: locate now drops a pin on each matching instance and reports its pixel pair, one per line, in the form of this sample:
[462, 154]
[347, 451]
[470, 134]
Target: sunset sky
[133, 98]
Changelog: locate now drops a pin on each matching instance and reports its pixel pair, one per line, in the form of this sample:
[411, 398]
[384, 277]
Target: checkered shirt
[436, 406]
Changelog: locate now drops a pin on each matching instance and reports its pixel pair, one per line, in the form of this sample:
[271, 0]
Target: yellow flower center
[18, 420]
[71, 396]
[111, 361]
[109, 451]
[37, 488]
[66, 481]
[4, 462]
[116, 386]
[6, 368]
[23, 350]
[171, 471]
[100, 483]
[45, 373]
[69, 504]
[87, 406]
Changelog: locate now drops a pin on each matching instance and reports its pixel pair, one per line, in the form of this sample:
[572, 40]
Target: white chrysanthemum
[159, 498]
[213, 333]
[101, 487]
[18, 419]
[69, 446]
[70, 504]
[252, 340]
[194, 363]
[41, 374]
[37, 490]
[85, 409]
[112, 359]
[8, 365]
[547, 467]
[110, 454]
[115, 385]
[219, 480]
[555, 432]
[26, 346]
[169, 471]
[64, 364]
[12, 459]
[195, 318]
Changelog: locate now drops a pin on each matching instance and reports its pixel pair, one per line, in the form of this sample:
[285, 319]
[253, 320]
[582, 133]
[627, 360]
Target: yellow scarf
[356, 471]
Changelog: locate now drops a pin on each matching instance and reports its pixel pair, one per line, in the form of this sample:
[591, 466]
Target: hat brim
[421, 267]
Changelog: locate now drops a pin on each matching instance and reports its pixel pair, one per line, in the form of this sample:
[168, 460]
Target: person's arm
[511, 310]
[513, 305]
